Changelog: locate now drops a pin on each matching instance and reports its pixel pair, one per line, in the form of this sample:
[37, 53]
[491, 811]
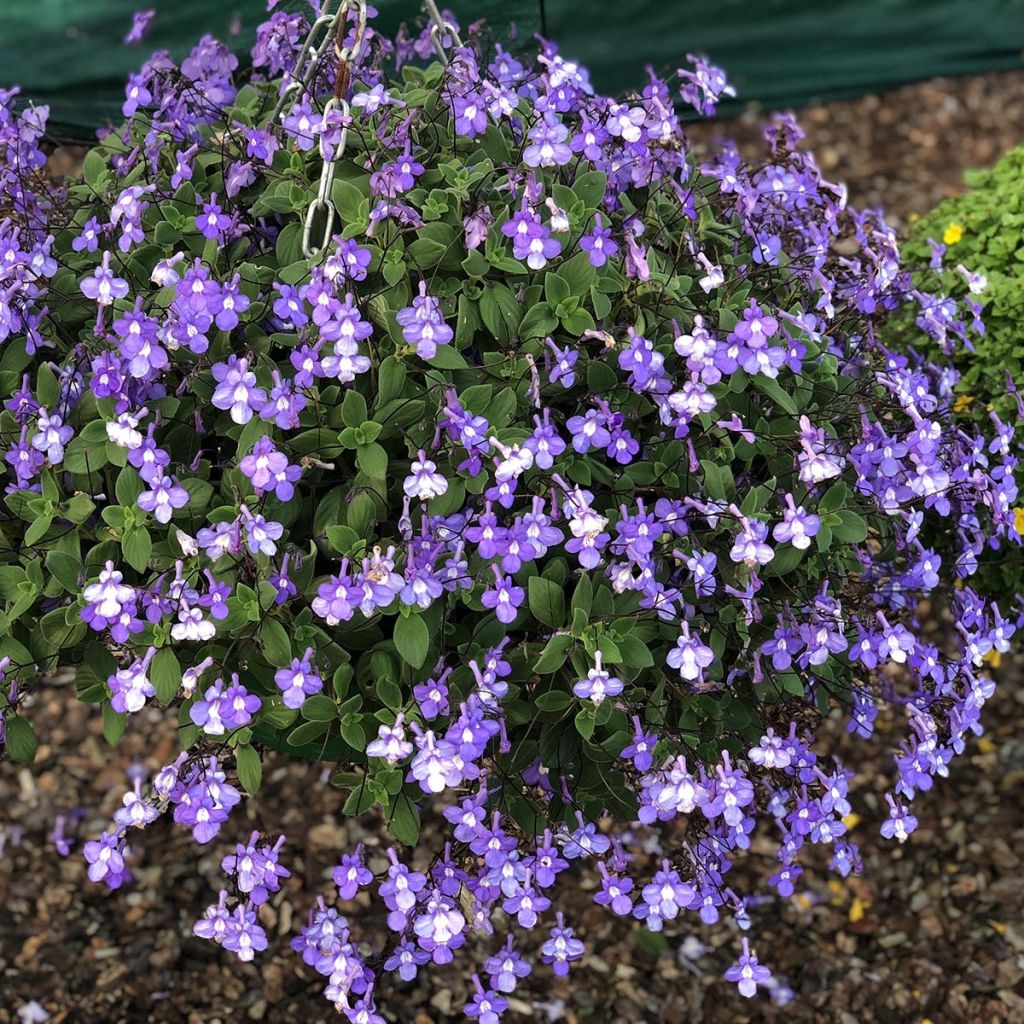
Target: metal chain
[439, 28]
[326, 29]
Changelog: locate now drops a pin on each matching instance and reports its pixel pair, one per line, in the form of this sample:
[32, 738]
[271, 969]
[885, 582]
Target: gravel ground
[932, 932]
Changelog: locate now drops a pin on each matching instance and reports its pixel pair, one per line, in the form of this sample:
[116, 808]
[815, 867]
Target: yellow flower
[962, 403]
[1018, 520]
[953, 233]
[857, 909]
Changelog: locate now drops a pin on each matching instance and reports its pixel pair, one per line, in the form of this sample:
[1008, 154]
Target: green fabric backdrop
[68, 53]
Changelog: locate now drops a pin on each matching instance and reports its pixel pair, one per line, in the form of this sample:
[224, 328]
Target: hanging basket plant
[451, 425]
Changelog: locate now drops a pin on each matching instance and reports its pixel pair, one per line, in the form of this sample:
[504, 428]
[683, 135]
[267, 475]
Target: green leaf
[319, 708]
[250, 768]
[851, 528]
[113, 724]
[556, 288]
[373, 460]
[590, 188]
[404, 820]
[412, 639]
[390, 694]
[353, 206]
[137, 547]
[165, 675]
[128, 487]
[583, 595]
[353, 409]
[38, 529]
[585, 722]
[289, 245]
[552, 658]
[553, 700]
[776, 393]
[500, 311]
[277, 645]
[547, 601]
[94, 167]
[20, 740]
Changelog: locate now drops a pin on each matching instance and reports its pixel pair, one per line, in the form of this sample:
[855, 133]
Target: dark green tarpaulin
[68, 53]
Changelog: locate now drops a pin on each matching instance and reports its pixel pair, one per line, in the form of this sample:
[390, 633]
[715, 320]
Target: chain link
[439, 28]
[326, 29]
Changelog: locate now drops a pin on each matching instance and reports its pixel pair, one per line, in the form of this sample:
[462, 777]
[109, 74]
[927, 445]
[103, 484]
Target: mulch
[931, 932]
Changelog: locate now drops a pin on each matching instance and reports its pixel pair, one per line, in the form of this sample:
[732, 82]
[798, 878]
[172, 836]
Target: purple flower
[690, 656]
[747, 973]
[140, 26]
[163, 498]
[531, 240]
[105, 857]
[351, 874]
[423, 481]
[423, 324]
[504, 598]
[598, 245]
[598, 685]
[269, 470]
[798, 526]
[222, 709]
[547, 146]
[213, 223]
[261, 534]
[236, 389]
[299, 681]
[562, 948]
[102, 287]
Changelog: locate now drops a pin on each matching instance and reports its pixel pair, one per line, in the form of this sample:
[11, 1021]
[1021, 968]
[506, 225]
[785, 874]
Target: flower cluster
[551, 502]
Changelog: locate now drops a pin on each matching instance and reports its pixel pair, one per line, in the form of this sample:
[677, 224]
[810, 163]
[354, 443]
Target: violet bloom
[140, 26]
[261, 535]
[562, 948]
[51, 436]
[390, 744]
[506, 967]
[423, 324]
[747, 973]
[223, 709]
[423, 481]
[105, 857]
[486, 1006]
[598, 685]
[798, 526]
[299, 681]
[88, 238]
[236, 389]
[269, 470]
[102, 287]
[531, 240]
[130, 687]
[504, 598]
[406, 960]
[163, 498]
[106, 598]
[351, 874]
[476, 227]
[440, 928]
[244, 935]
[614, 892]
[547, 146]
[213, 224]
[690, 656]
[598, 245]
